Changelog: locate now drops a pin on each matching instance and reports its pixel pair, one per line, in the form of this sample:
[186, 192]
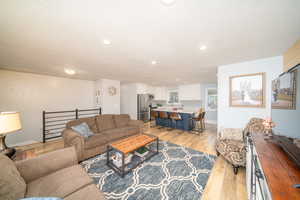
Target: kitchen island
[184, 124]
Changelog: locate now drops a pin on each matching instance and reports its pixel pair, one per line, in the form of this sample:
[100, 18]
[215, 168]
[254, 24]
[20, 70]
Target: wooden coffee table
[129, 145]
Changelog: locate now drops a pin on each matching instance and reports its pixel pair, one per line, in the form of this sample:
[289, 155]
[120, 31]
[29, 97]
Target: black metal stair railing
[55, 122]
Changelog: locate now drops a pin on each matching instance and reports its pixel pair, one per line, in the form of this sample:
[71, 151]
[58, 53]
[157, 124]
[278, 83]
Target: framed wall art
[284, 91]
[247, 90]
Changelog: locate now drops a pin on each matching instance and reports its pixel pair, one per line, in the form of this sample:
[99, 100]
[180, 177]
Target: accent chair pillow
[83, 129]
[231, 134]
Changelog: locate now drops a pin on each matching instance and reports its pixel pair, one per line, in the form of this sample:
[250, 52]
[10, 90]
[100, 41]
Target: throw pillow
[83, 129]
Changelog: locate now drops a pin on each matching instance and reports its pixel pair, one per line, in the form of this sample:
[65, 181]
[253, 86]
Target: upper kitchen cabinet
[160, 93]
[144, 89]
[189, 92]
[291, 57]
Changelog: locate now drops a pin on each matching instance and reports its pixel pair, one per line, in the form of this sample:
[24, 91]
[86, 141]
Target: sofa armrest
[72, 138]
[137, 123]
[45, 164]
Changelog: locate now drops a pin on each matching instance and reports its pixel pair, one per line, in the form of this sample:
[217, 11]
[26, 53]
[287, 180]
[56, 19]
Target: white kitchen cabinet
[141, 88]
[189, 92]
[160, 93]
[144, 89]
[150, 90]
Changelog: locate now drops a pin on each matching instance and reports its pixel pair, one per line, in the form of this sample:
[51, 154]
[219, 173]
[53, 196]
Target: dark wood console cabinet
[271, 174]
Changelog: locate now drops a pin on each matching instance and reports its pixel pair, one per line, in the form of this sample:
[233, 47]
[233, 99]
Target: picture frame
[284, 92]
[247, 90]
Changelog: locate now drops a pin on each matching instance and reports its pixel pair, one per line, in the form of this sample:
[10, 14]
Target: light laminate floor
[222, 184]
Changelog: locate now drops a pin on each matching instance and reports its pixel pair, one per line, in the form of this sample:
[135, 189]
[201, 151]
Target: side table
[23, 155]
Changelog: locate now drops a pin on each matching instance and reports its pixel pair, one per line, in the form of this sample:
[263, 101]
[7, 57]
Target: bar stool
[202, 121]
[199, 124]
[164, 116]
[153, 116]
[175, 117]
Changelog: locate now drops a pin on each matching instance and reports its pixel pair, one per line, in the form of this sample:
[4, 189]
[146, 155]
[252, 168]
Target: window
[173, 97]
[211, 99]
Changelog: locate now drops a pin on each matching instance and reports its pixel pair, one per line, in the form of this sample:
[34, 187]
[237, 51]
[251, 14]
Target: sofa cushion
[91, 121]
[95, 140]
[88, 153]
[121, 120]
[12, 185]
[131, 130]
[83, 129]
[60, 183]
[88, 192]
[116, 133]
[105, 122]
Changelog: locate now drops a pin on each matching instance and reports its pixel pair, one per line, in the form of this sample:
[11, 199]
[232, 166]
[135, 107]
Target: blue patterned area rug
[175, 173]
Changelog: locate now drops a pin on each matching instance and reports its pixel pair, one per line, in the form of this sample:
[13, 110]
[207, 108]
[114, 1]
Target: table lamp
[268, 124]
[9, 123]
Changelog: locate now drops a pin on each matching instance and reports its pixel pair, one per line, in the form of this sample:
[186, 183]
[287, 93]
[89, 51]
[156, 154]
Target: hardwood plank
[213, 189]
[229, 189]
[241, 191]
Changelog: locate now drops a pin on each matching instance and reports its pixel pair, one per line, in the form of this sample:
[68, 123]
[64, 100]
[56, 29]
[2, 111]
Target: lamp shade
[9, 122]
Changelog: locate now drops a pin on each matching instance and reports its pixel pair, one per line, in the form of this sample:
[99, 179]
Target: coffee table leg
[157, 144]
[123, 164]
[107, 155]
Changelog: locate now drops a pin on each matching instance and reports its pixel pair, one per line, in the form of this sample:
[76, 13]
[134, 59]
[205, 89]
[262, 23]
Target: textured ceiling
[47, 36]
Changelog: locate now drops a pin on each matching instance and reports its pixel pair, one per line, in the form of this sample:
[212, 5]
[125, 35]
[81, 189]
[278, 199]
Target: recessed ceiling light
[70, 71]
[153, 62]
[203, 47]
[168, 2]
[106, 42]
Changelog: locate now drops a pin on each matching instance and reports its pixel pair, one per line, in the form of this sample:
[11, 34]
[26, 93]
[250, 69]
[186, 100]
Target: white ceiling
[46, 36]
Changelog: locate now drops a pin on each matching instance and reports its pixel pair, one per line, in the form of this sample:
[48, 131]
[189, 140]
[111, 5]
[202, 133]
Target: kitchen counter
[176, 111]
[184, 124]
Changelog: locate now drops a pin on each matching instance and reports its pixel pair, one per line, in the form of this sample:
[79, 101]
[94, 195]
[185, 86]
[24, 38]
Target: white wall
[30, 94]
[109, 104]
[129, 100]
[210, 116]
[233, 117]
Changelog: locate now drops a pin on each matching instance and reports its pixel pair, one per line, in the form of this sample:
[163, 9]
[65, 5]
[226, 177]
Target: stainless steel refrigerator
[143, 106]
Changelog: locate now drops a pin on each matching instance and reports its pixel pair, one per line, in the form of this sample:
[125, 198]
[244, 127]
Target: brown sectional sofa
[55, 174]
[106, 128]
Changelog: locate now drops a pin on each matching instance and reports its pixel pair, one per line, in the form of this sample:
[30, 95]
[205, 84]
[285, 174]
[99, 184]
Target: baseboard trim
[210, 122]
[24, 143]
